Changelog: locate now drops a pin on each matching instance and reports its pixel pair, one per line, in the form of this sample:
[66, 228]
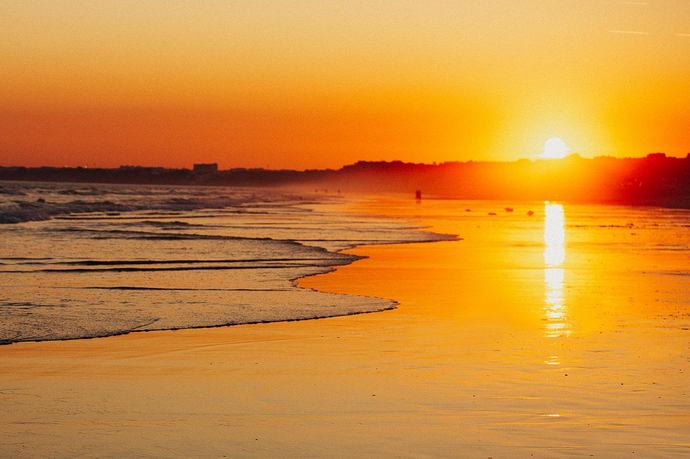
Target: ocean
[549, 329]
[85, 261]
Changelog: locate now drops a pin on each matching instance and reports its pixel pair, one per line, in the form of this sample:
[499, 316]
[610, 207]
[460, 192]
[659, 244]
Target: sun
[555, 148]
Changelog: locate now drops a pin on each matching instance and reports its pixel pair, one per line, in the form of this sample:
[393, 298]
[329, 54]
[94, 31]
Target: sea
[95, 260]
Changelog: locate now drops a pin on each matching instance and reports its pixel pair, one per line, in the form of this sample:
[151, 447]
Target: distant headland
[652, 180]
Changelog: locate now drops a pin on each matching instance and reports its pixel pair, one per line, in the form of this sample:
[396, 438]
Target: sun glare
[554, 234]
[554, 273]
[555, 148]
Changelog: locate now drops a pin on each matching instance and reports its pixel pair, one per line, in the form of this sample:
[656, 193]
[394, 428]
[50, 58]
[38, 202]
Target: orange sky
[305, 84]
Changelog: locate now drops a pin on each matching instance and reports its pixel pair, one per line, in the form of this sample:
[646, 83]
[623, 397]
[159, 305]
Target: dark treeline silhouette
[652, 180]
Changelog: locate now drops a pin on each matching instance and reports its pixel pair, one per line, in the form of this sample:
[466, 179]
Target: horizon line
[571, 156]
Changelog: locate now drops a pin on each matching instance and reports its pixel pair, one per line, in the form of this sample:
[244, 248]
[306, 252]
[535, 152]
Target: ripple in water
[100, 260]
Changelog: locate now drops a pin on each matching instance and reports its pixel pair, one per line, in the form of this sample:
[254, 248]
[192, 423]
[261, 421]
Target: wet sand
[492, 353]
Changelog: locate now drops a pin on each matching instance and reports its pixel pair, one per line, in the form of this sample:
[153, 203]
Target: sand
[467, 366]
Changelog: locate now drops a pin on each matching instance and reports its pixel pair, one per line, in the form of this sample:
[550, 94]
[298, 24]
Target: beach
[562, 334]
[344, 229]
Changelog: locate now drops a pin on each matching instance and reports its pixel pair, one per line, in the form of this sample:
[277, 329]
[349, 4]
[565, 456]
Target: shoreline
[295, 282]
[236, 249]
[460, 368]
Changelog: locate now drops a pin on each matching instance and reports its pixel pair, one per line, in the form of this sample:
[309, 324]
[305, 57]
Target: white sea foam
[131, 258]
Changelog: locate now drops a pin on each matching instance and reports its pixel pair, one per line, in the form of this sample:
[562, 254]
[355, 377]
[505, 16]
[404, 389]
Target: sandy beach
[489, 354]
[344, 229]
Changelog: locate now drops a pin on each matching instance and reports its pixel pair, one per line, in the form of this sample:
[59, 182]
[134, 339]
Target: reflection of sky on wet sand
[464, 363]
[554, 273]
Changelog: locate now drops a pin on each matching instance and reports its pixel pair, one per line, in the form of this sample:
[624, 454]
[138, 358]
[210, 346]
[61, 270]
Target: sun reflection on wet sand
[554, 257]
[554, 234]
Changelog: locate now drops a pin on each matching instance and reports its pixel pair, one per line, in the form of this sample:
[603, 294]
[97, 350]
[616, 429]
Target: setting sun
[344, 228]
[555, 148]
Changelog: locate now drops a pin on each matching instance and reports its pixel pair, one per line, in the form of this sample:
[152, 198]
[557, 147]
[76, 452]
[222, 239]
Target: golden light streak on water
[555, 311]
[554, 234]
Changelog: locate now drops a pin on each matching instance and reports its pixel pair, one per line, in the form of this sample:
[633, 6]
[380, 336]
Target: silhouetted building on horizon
[656, 179]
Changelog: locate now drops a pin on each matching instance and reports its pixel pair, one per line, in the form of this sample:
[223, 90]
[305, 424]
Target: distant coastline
[652, 180]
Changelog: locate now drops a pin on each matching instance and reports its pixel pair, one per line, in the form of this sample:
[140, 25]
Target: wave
[131, 258]
[51, 203]
[162, 289]
[167, 225]
[131, 234]
[176, 268]
[172, 262]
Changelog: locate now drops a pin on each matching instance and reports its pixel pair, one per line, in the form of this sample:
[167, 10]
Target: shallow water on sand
[564, 333]
[561, 334]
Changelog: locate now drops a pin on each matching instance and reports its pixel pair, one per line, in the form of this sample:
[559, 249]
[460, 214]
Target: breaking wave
[121, 258]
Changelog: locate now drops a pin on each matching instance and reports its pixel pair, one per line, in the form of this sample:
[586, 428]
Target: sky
[314, 84]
